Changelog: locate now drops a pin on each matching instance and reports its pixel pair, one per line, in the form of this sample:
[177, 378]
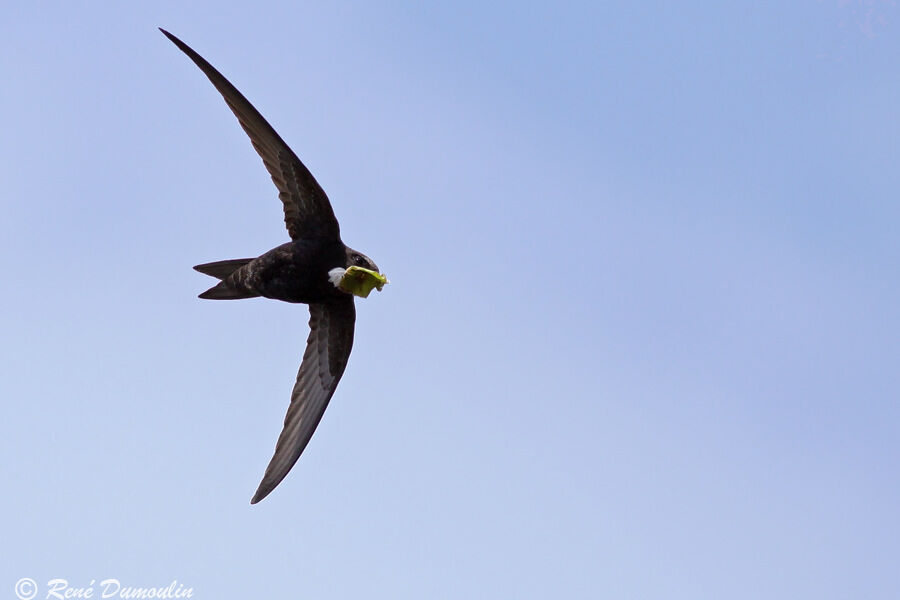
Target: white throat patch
[335, 275]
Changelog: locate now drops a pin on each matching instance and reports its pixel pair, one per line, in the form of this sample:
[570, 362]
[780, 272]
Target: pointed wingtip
[173, 39]
[259, 495]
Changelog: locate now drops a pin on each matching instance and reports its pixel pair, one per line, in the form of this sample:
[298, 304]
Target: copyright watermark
[60, 589]
[26, 588]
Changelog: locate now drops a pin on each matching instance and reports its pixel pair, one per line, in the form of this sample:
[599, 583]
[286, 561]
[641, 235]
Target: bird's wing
[307, 211]
[327, 350]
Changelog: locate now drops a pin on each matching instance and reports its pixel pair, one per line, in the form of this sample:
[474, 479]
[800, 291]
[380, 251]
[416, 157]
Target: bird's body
[293, 272]
[310, 269]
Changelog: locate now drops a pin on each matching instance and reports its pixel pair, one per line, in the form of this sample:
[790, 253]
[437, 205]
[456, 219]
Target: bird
[315, 268]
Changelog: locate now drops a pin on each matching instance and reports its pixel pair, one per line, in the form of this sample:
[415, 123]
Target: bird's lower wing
[327, 350]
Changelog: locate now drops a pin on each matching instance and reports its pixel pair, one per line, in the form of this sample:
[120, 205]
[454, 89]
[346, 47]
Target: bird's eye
[359, 260]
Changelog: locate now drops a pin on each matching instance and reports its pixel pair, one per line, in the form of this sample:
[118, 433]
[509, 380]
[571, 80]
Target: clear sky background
[642, 335]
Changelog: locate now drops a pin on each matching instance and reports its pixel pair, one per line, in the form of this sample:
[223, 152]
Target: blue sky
[641, 339]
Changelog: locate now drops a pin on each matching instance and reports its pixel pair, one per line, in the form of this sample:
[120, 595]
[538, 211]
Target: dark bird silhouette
[314, 268]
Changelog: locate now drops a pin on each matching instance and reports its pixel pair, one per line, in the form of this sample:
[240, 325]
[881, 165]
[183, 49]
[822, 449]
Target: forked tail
[231, 286]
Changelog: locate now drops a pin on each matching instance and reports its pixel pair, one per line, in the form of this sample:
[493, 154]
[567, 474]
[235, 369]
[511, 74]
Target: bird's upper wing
[307, 211]
[327, 351]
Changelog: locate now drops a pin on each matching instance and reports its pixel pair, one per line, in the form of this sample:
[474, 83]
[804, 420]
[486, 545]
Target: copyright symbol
[26, 588]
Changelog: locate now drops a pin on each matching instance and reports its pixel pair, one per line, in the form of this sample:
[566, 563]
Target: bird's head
[359, 276]
[358, 259]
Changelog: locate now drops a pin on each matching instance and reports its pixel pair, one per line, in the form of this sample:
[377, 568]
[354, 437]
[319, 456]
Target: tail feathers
[222, 268]
[230, 288]
[223, 291]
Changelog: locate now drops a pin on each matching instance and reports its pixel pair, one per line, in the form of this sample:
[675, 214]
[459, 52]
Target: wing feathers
[307, 211]
[324, 360]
